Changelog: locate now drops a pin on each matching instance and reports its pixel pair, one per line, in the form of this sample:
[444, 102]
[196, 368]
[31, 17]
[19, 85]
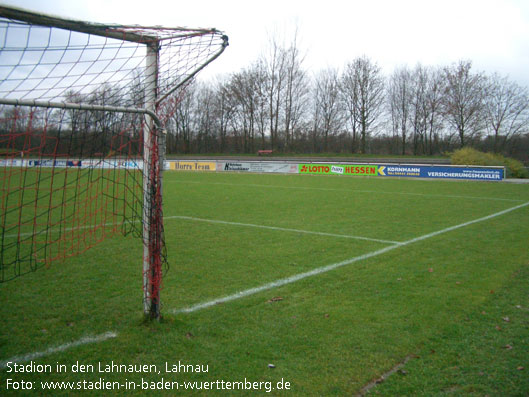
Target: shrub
[469, 156]
[515, 168]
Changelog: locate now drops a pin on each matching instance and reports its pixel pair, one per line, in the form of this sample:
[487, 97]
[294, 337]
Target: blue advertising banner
[443, 172]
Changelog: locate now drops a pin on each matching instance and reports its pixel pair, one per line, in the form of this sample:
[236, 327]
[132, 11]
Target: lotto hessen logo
[314, 169]
[352, 169]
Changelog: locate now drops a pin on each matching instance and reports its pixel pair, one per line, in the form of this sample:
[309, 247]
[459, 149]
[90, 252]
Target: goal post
[152, 187]
[83, 109]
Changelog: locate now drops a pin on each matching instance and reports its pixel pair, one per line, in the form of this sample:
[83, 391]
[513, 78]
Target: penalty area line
[281, 229]
[324, 269]
[56, 349]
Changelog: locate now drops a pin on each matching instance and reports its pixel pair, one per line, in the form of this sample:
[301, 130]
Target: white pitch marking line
[65, 230]
[283, 229]
[324, 269]
[83, 341]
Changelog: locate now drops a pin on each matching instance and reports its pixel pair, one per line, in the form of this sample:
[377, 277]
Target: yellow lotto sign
[192, 166]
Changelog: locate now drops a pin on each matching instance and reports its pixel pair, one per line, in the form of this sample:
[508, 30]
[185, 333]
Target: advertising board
[382, 170]
[341, 169]
[259, 167]
[442, 172]
[192, 165]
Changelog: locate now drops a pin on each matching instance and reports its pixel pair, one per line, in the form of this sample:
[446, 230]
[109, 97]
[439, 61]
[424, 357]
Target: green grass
[329, 334]
[483, 354]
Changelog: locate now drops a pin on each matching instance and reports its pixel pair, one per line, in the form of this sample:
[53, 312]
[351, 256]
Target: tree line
[275, 103]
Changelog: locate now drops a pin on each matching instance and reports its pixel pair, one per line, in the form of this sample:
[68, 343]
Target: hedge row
[469, 156]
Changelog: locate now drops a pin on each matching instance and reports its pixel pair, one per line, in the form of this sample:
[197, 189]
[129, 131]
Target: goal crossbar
[119, 32]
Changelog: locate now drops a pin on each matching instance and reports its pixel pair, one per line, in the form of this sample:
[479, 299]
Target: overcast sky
[493, 34]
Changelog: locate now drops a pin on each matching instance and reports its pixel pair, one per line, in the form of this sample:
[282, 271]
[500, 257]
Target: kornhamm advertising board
[443, 172]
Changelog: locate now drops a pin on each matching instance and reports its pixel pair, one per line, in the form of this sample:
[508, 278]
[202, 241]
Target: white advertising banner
[258, 167]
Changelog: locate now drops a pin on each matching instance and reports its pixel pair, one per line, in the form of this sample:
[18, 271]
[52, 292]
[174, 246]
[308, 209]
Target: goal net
[82, 113]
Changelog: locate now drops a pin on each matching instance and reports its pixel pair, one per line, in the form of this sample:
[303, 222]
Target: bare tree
[285, 89]
[183, 122]
[368, 83]
[275, 84]
[349, 93]
[204, 115]
[506, 110]
[434, 97]
[328, 104]
[399, 102]
[296, 91]
[245, 99]
[315, 124]
[463, 100]
[419, 106]
[260, 91]
[224, 112]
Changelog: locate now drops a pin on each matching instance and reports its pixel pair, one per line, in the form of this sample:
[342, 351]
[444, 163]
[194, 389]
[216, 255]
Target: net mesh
[63, 191]
[82, 112]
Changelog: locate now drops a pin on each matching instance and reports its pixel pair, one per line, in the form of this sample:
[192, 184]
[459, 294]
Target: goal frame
[154, 135]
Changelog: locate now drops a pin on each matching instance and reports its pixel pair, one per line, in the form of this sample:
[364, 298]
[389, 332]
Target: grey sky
[493, 34]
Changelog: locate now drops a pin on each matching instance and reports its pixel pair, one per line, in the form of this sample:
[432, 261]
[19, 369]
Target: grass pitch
[372, 272]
